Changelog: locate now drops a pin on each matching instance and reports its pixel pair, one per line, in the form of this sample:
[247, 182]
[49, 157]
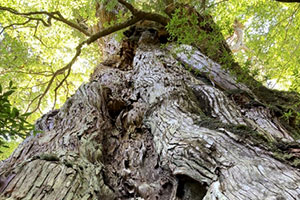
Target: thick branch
[129, 7]
[137, 16]
[155, 17]
[145, 15]
[112, 29]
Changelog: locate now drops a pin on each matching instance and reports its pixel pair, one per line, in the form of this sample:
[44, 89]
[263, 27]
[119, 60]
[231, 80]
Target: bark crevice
[155, 131]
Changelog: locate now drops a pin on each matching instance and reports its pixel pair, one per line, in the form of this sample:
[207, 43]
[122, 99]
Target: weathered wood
[156, 131]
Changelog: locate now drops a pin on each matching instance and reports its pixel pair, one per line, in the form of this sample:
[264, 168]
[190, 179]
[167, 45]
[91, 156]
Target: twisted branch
[51, 15]
[137, 16]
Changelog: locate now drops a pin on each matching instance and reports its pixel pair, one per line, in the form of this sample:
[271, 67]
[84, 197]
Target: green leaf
[8, 93]
[26, 114]
[10, 84]
[15, 112]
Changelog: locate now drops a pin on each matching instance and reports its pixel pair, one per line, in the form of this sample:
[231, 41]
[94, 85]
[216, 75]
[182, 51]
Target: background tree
[159, 118]
[12, 123]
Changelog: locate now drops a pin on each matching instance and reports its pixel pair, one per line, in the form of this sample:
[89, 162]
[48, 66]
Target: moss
[48, 157]
[211, 123]
[296, 163]
[280, 150]
[282, 103]
[284, 146]
[283, 156]
[246, 133]
[68, 163]
[287, 158]
[193, 96]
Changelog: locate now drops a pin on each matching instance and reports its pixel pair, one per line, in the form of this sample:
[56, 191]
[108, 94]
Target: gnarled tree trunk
[144, 127]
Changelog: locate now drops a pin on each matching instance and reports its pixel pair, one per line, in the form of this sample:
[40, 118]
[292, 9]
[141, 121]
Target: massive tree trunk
[145, 127]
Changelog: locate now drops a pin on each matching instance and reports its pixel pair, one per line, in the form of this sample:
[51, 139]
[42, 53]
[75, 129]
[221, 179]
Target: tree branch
[15, 24]
[58, 72]
[112, 29]
[214, 4]
[145, 15]
[52, 15]
[203, 4]
[90, 40]
[129, 7]
[137, 16]
[30, 73]
[59, 85]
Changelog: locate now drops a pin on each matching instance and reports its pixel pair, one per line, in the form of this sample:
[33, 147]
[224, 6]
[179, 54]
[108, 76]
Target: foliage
[271, 35]
[38, 51]
[31, 53]
[7, 149]
[12, 123]
[184, 29]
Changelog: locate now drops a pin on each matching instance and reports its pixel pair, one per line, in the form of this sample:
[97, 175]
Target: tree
[12, 123]
[161, 122]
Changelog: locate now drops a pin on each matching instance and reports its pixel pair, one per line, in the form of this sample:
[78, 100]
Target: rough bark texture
[153, 130]
[107, 45]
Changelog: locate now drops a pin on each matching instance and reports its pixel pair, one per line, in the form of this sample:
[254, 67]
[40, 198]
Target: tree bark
[145, 127]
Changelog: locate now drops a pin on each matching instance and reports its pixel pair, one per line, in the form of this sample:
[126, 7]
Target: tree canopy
[47, 48]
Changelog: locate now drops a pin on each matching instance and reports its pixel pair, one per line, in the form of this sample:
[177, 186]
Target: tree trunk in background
[107, 45]
[144, 127]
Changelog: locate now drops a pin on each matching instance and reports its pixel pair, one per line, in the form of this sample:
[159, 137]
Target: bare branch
[55, 15]
[137, 16]
[31, 102]
[36, 37]
[58, 72]
[40, 20]
[59, 85]
[68, 67]
[15, 24]
[44, 73]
